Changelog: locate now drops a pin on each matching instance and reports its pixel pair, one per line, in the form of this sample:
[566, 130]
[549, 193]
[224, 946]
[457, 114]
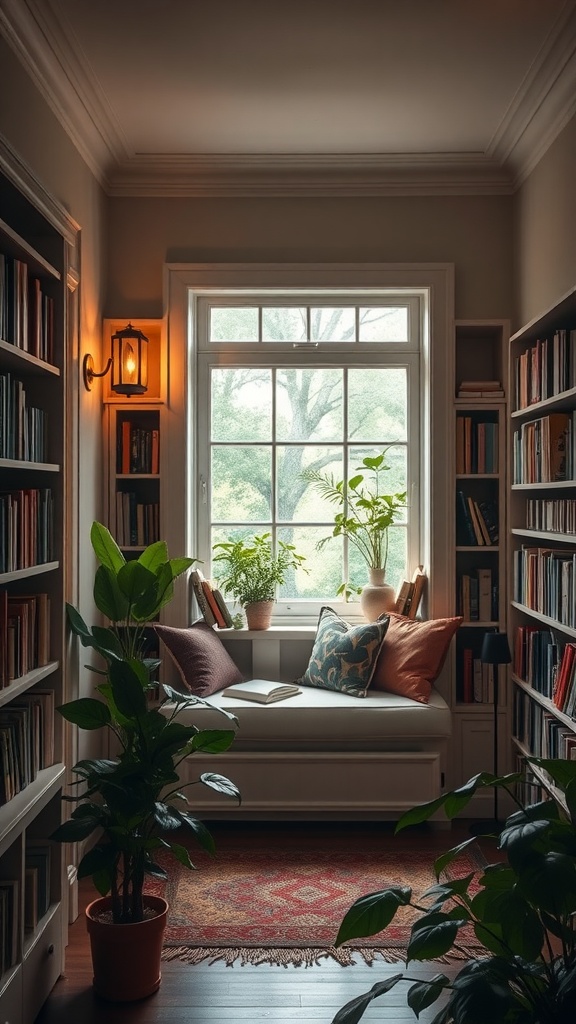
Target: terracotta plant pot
[259, 614]
[377, 596]
[126, 957]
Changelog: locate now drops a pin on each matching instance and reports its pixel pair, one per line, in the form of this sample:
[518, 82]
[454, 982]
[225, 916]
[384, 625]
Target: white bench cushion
[318, 719]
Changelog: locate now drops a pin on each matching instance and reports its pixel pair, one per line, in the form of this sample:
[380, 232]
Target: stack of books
[480, 389]
[212, 605]
[410, 594]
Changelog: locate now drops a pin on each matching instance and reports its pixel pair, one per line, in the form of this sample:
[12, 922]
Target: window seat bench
[324, 755]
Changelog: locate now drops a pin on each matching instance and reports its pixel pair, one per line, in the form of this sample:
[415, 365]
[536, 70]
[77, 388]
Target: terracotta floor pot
[259, 614]
[126, 957]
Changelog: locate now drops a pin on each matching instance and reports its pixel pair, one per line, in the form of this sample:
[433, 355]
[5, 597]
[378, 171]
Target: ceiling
[316, 97]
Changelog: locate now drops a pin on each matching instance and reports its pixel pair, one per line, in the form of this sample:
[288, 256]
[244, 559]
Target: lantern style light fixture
[128, 362]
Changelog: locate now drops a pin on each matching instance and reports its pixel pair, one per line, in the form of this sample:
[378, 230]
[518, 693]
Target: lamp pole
[495, 652]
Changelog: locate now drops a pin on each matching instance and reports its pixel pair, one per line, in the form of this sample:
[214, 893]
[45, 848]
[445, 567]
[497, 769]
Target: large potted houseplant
[522, 909]
[366, 513]
[251, 571]
[132, 800]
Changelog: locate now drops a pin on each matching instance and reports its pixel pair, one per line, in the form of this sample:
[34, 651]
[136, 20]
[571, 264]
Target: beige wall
[474, 233]
[545, 233]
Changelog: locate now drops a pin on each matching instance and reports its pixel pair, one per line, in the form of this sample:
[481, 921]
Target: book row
[37, 872]
[26, 311]
[477, 596]
[24, 634]
[138, 449]
[535, 658]
[546, 369]
[475, 680]
[544, 450]
[26, 528]
[210, 601]
[22, 426]
[548, 669]
[9, 920]
[137, 523]
[544, 579]
[476, 445]
[476, 521]
[540, 731]
[557, 515]
[26, 740]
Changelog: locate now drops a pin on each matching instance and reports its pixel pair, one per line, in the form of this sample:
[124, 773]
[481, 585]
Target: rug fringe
[282, 956]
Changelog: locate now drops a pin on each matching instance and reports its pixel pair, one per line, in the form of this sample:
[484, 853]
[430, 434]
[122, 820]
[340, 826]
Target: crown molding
[543, 105]
[286, 175]
[45, 51]
[540, 110]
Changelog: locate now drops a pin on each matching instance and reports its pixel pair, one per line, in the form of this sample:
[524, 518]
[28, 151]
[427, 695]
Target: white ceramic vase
[377, 596]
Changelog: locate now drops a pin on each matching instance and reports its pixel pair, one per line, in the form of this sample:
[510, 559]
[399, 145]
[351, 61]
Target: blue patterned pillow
[344, 657]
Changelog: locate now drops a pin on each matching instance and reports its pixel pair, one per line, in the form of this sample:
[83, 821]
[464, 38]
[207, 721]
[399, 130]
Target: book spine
[204, 607]
[218, 617]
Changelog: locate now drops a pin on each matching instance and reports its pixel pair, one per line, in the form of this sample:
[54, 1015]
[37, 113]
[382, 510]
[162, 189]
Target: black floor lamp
[495, 652]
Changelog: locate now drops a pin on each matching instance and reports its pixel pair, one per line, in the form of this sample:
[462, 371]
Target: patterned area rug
[277, 894]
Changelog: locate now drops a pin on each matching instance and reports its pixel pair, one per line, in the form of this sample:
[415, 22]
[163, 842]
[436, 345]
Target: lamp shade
[496, 649]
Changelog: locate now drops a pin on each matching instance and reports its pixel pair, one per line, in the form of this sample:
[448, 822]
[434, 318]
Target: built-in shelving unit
[542, 513]
[135, 454]
[479, 564]
[36, 243]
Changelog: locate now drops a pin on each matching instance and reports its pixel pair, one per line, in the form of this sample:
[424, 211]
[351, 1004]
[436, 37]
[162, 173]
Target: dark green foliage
[134, 800]
[522, 910]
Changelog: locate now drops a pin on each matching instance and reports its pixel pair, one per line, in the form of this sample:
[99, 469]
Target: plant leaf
[105, 548]
[353, 1011]
[432, 936]
[220, 784]
[108, 597]
[372, 913]
[423, 994]
[86, 712]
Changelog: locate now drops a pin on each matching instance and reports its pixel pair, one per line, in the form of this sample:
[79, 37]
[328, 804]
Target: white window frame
[433, 283]
[324, 355]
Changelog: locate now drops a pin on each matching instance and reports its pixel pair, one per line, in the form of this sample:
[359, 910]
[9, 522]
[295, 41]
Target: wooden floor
[212, 993]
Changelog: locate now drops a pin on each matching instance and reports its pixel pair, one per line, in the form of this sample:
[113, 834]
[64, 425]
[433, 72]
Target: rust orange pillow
[412, 655]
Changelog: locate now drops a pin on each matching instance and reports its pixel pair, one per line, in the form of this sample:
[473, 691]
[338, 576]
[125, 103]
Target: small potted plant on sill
[522, 909]
[134, 800]
[365, 518]
[251, 573]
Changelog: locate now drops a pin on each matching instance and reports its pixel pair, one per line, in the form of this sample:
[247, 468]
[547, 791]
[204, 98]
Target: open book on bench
[263, 691]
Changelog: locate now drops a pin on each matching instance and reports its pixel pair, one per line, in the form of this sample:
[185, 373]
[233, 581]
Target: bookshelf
[542, 509]
[479, 566]
[36, 250]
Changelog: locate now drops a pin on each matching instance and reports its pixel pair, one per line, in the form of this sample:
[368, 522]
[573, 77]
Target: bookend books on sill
[521, 908]
[135, 800]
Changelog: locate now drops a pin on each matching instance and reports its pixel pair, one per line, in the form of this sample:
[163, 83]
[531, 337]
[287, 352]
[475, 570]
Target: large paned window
[292, 381]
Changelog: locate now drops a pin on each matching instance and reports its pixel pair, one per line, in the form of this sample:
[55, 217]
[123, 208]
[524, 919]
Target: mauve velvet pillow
[412, 655]
[200, 657]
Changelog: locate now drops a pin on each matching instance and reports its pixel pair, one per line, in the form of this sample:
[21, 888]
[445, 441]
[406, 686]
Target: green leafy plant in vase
[251, 572]
[522, 909]
[134, 802]
[366, 514]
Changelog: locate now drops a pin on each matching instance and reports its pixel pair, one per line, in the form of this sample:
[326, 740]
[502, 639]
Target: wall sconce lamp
[128, 362]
